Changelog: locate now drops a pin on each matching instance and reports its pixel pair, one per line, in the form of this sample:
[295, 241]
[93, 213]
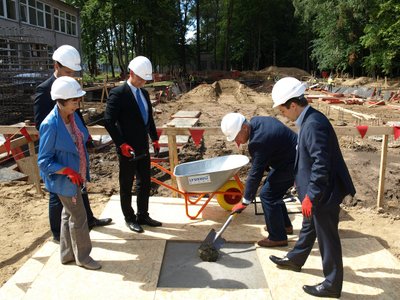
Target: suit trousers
[275, 212]
[75, 243]
[323, 226]
[55, 210]
[128, 170]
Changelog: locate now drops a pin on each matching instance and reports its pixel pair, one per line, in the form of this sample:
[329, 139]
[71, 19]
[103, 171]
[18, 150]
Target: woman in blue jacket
[64, 166]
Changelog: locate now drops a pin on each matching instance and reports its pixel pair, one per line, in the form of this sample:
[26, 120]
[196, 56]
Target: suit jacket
[57, 150]
[320, 170]
[43, 104]
[124, 121]
[271, 145]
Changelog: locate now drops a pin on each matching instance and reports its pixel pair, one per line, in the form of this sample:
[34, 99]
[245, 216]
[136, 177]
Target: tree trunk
[227, 37]
[198, 48]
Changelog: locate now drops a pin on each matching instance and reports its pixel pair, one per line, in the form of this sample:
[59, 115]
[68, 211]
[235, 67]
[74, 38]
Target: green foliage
[382, 38]
[337, 35]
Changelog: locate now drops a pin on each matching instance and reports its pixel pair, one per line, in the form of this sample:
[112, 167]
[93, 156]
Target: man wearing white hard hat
[322, 181]
[67, 62]
[64, 166]
[129, 121]
[272, 147]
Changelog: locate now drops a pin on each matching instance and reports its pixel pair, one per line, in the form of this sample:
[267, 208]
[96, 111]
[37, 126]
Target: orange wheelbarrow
[199, 181]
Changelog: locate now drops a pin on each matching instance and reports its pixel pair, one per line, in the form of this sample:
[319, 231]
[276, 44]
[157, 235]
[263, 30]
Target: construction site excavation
[366, 124]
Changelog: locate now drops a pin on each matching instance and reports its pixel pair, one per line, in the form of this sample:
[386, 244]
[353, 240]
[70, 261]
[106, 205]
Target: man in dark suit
[67, 61]
[129, 120]
[322, 180]
[272, 147]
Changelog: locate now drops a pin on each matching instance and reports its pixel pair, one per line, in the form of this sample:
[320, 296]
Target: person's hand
[156, 147]
[73, 176]
[126, 150]
[238, 208]
[306, 207]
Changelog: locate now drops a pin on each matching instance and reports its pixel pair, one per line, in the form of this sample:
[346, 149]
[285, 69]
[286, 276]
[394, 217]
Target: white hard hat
[231, 124]
[287, 88]
[142, 67]
[68, 56]
[66, 87]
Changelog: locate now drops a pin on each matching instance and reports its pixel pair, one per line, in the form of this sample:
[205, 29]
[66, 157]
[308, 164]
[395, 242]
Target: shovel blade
[210, 237]
[211, 240]
[219, 242]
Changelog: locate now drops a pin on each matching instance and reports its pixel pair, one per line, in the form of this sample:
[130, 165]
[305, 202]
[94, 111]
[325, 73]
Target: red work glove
[156, 147]
[73, 176]
[306, 207]
[238, 208]
[90, 143]
[126, 150]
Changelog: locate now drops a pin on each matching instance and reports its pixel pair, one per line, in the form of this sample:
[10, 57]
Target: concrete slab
[129, 270]
[132, 262]
[236, 268]
[7, 174]
[183, 122]
[187, 114]
[370, 272]
[208, 293]
[180, 140]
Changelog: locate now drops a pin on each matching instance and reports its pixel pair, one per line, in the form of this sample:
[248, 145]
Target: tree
[382, 38]
[337, 26]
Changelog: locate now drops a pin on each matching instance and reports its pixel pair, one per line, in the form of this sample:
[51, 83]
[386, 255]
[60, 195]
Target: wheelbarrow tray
[208, 175]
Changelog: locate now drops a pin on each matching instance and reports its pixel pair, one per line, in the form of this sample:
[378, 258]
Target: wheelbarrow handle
[221, 231]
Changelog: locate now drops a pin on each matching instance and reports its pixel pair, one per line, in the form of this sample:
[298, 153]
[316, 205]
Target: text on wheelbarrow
[199, 179]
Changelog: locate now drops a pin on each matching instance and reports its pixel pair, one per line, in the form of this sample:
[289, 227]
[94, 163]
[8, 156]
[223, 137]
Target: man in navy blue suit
[129, 120]
[322, 180]
[67, 62]
[272, 147]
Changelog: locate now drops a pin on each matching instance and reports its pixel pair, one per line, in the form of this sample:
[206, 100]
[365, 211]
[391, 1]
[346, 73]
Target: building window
[23, 8]
[2, 10]
[35, 13]
[64, 22]
[8, 9]
[32, 12]
[48, 16]
[8, 55]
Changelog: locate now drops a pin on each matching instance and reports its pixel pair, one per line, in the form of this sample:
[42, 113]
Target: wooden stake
[35, 168]
[381, 186]
[173, 158]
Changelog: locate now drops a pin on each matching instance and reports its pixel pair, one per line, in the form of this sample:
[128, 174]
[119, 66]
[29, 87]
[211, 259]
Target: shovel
[208, 250]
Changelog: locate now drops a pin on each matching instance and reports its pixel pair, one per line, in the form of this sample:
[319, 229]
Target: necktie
[141, 106]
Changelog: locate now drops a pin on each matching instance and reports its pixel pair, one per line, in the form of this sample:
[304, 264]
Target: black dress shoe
[148, 221]
[320, 291]
[285, 263]
[134, 227]
[99, 222]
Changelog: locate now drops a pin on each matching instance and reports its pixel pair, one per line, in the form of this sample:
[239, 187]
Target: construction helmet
[231, 124]
[66, 87]
[68, 56]
[142, 67]
[285, 89]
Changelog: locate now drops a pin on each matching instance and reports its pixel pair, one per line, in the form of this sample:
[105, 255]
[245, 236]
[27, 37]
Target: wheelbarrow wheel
[227, 201]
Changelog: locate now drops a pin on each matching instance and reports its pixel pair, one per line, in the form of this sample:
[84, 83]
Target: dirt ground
[24, 214]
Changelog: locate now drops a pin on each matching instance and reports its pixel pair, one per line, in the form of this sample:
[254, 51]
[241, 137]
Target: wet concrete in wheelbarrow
[237, 267]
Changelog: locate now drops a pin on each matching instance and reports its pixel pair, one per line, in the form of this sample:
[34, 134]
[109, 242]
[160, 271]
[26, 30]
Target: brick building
[30, 31]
